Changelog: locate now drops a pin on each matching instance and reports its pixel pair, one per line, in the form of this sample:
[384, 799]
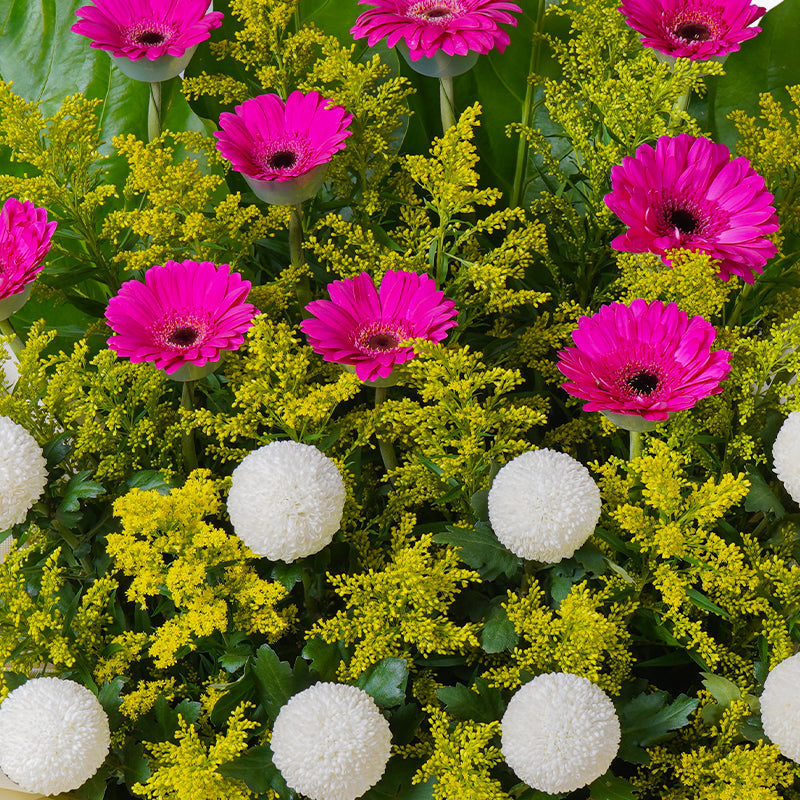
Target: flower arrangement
[416, 425]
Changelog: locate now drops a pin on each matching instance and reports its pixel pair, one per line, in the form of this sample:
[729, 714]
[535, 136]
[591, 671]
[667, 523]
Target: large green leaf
[767, 63]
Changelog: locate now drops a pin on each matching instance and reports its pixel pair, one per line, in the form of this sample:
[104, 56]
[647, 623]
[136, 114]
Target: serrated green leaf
[482, 704]
[498, 632]
[274, 680]
[79, 486]
[396, 783]
[323, 657]
[761, 497]
[385, 682]
[650, 718]
[479, 548]
[610, 787]
[255, 768]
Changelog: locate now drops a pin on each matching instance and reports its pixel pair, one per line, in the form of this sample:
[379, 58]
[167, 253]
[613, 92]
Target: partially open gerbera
[184, 313]
[270, 140]
[149, 29]
[25, 236]
[696, 29]
[455, 27]
[687, 193]
[645, 359]
[364, 328]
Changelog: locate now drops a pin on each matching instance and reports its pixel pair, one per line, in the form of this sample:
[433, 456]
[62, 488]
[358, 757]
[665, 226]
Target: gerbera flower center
[383, 336]
[181, 331]
[149, 38]
[693, 32]
[149, 33]
[643, 382]
[436, 11]
[282, 159]
[183, 337]
[683, 220]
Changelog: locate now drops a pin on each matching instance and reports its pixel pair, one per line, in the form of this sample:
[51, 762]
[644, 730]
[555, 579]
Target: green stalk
[7, 329]
[154, 112]
[387, 451]
[527, 111]
[187, 439]
[447, 105]
[636, 445]
[296, 253]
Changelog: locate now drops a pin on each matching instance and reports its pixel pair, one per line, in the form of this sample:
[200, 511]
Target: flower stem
[387, 451]
[447, 104]
[527, 109]
[187, 439]
[636, 445]
[154, 112]
[7, 329]
[296, 253]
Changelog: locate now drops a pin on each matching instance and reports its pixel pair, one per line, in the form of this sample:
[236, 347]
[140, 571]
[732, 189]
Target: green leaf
[480, 549]
[239, 692]
[274, 680]
[79, 486]
[610, 787]
[396, 783]
[482, 704]
[651, 718]
[324, 658]
[761, 497]
[147, 479]
[255, 768]
[762, 65]
[498, 632]
[386, 682]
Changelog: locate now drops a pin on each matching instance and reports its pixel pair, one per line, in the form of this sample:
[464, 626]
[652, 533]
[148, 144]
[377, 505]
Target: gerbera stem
[154, 112]
[527, 110]
[447, 103]
[387, 451]
[296, 253]
[636, 445]
[187, 440]
[7, 329]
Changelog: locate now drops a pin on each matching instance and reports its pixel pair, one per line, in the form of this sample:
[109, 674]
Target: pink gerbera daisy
[687, 193]
[270, 140]
[184, 313]
[455, 27]
[364, 327]
[25, 236]
[149, 29]
[696, 29]
[645, 359]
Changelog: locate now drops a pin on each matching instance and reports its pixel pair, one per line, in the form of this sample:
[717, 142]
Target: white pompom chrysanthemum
[780, 707]
[544, 505]
[786, 455]
[23, 473]
[286, 500]
[330, 742]
[559, 732]
[54, 735]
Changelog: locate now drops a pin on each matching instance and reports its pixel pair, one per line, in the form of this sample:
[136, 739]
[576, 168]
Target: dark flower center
[283, 159]
[183, 337]
[643, 382]
[149, 38]
[436, 13]
[683, 220]
[382, 340]
[693, 32]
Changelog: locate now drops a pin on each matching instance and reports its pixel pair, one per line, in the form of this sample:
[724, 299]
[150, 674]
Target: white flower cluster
[286, 500]
[559, 732]
[54, 735]
[331, 742]
[544, 505]
[786, 455]
[780, 707]
[23, 473]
